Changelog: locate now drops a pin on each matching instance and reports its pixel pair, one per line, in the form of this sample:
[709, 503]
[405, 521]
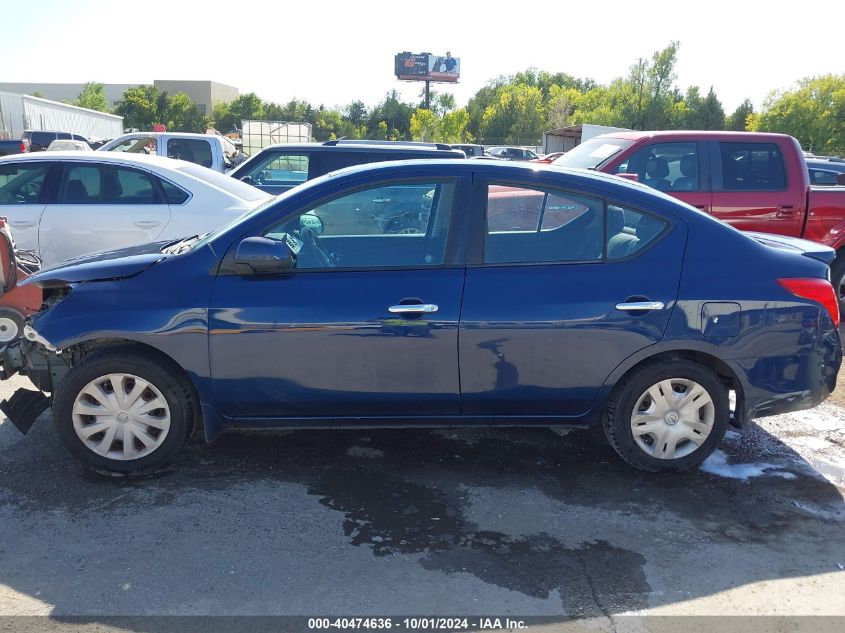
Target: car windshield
[592, 153]
[226, 183]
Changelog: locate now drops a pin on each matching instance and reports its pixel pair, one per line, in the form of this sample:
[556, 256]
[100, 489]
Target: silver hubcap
[672, 418]
[121, 416]
[8, 330]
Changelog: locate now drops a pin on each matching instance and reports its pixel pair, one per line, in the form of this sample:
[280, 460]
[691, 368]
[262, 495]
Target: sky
[332, 52]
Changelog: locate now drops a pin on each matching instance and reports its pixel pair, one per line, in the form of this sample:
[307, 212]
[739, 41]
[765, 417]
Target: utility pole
[427, 95]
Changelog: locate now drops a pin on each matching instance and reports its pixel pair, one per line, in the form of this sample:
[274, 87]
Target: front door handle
[413, 308]
[22, 224]
[786, 211]
[640, 305]
[146, 224]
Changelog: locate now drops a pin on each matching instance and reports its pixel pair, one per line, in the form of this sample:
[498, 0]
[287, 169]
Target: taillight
[23, 147]
[814, 289]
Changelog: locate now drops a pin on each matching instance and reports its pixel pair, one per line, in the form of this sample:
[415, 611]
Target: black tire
[165, 375]
[11, 326]
[616, 419]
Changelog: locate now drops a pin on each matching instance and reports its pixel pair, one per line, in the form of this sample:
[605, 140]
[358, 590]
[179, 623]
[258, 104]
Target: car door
[366, 324]
[751, 188]
[99, 207]
[24, 192]
[555, 295]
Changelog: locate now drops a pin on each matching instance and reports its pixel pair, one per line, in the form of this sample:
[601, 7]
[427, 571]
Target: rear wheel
[667, 416]
[124, 412]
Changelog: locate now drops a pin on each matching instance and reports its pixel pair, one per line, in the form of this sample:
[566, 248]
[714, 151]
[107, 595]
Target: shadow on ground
[401, 522]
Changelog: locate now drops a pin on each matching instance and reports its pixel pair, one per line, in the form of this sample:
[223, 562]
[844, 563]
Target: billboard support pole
[427, 95]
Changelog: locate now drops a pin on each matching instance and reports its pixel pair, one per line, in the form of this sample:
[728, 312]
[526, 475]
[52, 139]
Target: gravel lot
[450, 522]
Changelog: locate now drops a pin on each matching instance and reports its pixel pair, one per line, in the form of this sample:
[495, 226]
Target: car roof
[99, 157]
[635, 135]
[375, 146]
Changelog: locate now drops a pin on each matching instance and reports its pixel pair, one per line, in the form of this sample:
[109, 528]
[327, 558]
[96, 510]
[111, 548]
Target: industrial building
[206, 94]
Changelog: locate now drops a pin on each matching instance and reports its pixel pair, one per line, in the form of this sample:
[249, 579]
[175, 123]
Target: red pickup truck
[755, 182]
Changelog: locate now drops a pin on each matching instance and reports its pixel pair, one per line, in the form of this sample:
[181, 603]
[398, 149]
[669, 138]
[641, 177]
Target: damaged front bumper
[43, 366]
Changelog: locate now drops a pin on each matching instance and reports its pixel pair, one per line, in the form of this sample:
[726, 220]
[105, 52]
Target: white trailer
[20, 112]
[565, 138]
[256, 135]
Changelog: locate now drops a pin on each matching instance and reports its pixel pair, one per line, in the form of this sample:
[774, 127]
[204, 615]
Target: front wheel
[667, 416]
[124, 412]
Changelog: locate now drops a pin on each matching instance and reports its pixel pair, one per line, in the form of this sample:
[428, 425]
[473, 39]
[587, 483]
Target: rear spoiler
[813, 250]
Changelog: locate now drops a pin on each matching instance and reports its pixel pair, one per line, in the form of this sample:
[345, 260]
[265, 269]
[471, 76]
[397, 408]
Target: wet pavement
[463, 522]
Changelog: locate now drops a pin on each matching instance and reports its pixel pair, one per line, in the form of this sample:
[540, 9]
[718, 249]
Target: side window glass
[334, 160]
[192, 150]
[752, 167]
[128, 186]
[80, 185]
[84, 184]
[172, 193]
[665, 166]
[531, 225]
[22, 184]
[281, 170]
[403, 224]
[136, 145]
[630, 231]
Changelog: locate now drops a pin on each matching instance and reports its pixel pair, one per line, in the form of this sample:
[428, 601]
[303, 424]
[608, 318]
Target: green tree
[93, 97]
[246, 107]
[183, 115]
[516, 117]
[814, 113]
[425, 125]
[142, 107]
[696, 113]
[739, 119]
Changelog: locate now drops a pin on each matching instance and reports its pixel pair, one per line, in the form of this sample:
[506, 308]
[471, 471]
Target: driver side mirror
[264, 255]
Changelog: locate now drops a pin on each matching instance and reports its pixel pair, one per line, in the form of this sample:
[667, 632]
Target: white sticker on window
[603, 151]
[294, 244]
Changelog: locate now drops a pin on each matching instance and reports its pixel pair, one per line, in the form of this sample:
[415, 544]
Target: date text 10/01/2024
[416, 623]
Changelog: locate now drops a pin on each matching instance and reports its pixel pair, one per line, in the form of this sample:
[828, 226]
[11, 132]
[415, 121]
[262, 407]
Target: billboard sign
[427, 67]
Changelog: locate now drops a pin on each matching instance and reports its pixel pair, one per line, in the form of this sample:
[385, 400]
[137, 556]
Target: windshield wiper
[181, 246]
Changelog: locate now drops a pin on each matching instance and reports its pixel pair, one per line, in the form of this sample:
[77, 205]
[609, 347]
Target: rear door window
[752, 167]
[532, 226]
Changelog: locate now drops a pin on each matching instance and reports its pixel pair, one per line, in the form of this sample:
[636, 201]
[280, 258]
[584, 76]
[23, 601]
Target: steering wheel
[312, 248]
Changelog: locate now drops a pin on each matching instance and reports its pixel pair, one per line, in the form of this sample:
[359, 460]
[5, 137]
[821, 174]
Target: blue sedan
[432, 294]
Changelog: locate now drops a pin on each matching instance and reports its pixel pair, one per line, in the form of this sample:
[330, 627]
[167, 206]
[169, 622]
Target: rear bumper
[792, 382]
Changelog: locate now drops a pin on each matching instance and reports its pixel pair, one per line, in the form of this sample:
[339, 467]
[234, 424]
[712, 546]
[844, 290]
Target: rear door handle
[413, 308]
[786, 211]
[640, 305]
[146, 224]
